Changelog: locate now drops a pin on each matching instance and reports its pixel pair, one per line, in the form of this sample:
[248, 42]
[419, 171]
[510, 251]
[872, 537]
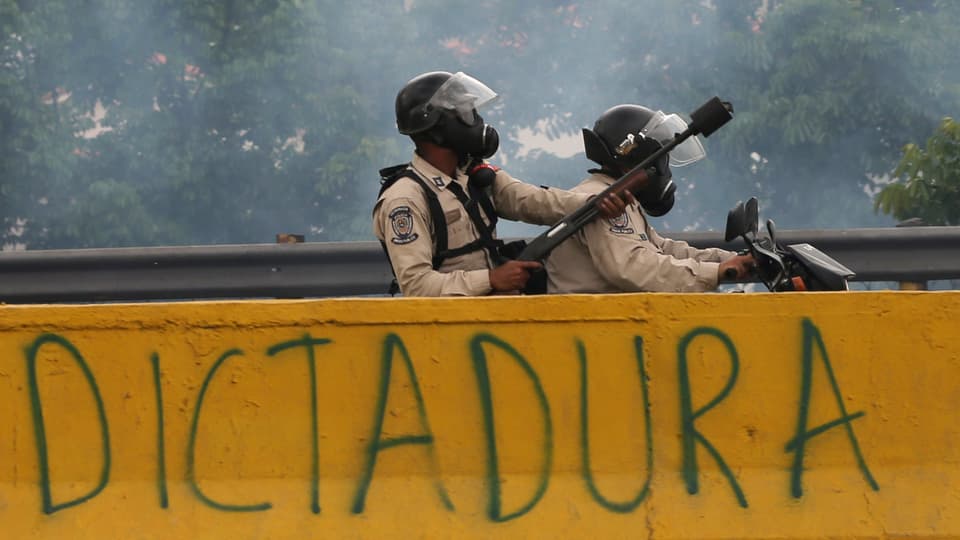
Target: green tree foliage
[825, 91]
[832, 90]
[224, 122]
[929, 186]
[37, 120]
[228, 121]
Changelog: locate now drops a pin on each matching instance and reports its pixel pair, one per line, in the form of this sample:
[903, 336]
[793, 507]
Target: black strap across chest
[472, 204]
[477, 200]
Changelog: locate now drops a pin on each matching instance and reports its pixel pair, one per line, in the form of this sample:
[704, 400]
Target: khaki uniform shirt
[625, 254]
[401, 219]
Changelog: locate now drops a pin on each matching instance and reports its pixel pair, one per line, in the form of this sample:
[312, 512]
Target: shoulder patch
[621, 224]
[401, 220]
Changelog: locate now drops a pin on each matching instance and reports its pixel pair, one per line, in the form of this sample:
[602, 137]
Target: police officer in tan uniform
[625, 253]
[438, 110]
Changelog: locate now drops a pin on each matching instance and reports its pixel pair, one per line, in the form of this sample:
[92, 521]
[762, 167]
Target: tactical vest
[473, 203]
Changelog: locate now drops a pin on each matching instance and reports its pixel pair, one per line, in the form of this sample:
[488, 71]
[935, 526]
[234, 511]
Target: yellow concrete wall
[632, 416]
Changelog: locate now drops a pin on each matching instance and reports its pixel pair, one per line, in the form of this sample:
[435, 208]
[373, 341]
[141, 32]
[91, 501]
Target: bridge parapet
[629, 416]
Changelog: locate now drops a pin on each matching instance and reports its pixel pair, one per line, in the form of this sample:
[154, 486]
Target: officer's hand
[736, 267]
[512, 275]
[614, 205]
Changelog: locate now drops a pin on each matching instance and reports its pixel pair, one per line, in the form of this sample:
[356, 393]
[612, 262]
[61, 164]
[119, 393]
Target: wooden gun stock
[541, 246]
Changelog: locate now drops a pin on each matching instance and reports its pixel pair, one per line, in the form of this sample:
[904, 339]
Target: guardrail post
[289, 238]
[912, 285]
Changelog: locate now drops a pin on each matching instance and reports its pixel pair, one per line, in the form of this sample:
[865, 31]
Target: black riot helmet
[625, 135]
[613, 143]
[441, 107]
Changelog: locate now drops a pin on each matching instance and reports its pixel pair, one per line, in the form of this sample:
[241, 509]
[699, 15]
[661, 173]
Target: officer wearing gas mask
[436, 216]
[625, 254]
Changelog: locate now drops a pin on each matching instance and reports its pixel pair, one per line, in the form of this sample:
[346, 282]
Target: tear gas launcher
[704, 121]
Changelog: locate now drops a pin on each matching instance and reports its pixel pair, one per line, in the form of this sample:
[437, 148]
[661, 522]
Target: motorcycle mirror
[736, 224]
[752, 215]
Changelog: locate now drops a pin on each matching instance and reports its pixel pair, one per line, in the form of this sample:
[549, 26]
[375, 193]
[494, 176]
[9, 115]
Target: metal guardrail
[360, 268]
[194, 272]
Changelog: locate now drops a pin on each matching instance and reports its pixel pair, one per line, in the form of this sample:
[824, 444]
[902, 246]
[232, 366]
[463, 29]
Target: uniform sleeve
[404, 226]
[683, 250]
[520, 201]
[633, 265]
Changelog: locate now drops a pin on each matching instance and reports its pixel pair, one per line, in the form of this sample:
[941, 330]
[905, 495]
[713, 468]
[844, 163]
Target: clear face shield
[663, 128]
[464, 95]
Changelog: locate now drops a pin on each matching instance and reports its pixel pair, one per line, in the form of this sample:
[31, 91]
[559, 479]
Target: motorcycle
[794, 267]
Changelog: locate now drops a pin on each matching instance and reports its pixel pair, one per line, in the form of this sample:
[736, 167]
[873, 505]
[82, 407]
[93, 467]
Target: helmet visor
[663, 128]
[463, 95]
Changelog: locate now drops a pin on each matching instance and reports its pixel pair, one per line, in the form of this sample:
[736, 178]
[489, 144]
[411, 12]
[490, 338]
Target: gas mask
[459, 127]
[658, 196]
[473, 140]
